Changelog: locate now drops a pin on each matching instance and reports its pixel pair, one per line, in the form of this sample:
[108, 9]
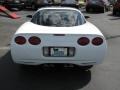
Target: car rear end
[58, 35]
[79, 49]
[35, 4]
[1, 2]
[70, 3]
[14, 4]
[94, 5]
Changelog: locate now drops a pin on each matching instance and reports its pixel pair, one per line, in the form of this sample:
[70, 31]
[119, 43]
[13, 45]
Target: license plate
[58, 52]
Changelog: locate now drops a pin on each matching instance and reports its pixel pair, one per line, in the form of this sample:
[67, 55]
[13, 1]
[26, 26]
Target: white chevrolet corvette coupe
[58, 35]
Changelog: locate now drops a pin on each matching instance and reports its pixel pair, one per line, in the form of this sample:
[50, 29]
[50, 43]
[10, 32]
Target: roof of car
[58, 7]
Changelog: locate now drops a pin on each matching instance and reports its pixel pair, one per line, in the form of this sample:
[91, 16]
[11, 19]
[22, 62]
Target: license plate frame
[69, 51]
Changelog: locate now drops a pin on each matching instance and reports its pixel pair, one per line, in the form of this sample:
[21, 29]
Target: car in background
[35, 4]
[30, 4]
[97, 5]
[70, 3]
[116, 7]
[42, 3]
[112, 2]
[58, 35]
[14, 4]
[39, 3]
[1, 2]
[81, 3]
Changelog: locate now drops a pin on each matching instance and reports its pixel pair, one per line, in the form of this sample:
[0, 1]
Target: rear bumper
[39, 62]
[34, 56]
[96, 7]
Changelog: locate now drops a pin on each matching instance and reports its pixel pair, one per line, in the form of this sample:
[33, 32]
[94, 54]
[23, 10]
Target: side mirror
[87, 17]
[29, 16]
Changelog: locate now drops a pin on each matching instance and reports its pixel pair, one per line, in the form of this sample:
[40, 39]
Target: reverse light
[34, 40]
[83, 41]
[97, 41]
[20, 40]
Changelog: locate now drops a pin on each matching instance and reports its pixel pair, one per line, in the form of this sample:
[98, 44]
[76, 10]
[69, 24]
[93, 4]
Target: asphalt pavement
[105, 76]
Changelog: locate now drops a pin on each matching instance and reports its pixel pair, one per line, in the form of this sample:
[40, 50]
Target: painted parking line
[4, 48]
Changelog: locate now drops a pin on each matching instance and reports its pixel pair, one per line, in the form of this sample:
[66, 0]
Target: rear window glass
[58, 18]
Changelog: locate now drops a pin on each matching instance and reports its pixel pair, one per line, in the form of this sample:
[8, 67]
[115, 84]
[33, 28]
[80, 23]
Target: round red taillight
[97, 41]
[34, 40]
[83, 41]
[20, 40]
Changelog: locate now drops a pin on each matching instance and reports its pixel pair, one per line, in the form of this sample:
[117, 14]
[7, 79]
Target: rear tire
[103, 10]
[33, 7]
[87, 9]
[21, 8]
[114, 12]
[91, 10]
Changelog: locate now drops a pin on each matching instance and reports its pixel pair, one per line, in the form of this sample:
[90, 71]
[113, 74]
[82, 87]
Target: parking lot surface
[105, 76]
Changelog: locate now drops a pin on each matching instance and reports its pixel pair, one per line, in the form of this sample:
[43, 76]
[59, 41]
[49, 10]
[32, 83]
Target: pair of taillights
[85, 41]
[34, 40]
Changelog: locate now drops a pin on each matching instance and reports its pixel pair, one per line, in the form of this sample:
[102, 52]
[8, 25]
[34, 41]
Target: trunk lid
[31, 28]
